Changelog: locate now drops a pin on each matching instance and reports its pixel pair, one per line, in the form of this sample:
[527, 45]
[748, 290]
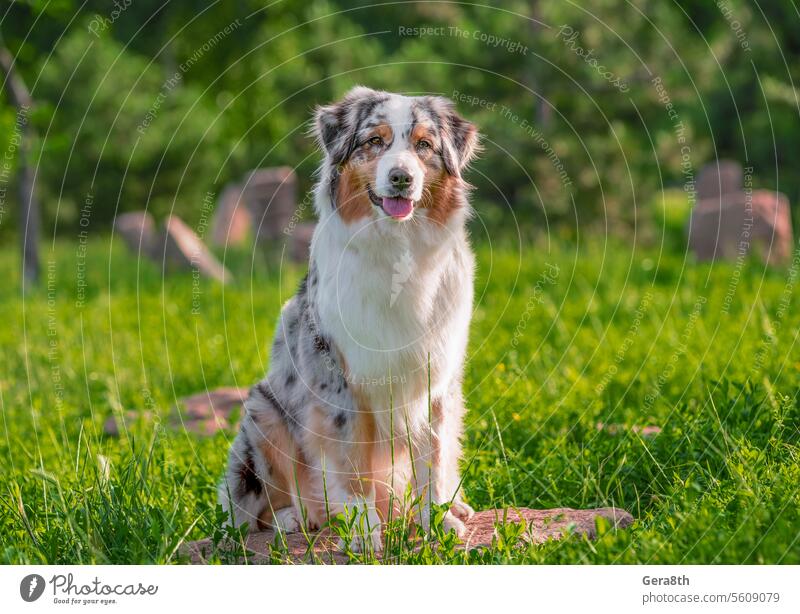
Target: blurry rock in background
[210, 411]
[300, 241]
[138, 230]
[176, 246]
[723, 178]
[183, 249]
[270, 195]
[232, 222]
[267, 200]
[731, 219]
[263, 207]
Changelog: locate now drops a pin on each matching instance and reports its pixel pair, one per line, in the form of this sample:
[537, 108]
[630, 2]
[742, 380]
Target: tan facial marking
[352, 200]
[426, 155]
[384, 131]
[442, 197]
[421, 132]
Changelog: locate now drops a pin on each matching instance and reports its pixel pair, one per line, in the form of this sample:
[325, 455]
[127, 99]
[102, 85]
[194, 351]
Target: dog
[363, 399]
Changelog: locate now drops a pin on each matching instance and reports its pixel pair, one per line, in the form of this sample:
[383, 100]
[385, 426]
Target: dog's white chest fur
[390, 304]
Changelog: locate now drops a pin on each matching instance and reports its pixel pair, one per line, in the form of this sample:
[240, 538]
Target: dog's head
[394, 157]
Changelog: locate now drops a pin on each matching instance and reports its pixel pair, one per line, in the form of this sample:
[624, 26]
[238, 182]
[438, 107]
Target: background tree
[29, 214]
[564, 142]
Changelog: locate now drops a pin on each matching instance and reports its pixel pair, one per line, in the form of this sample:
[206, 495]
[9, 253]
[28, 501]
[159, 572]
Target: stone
[270, 195]
[181, 248]
[177, 246]
[541, 526]
[138, 230]
[544, 525]
[300, 242]
[732, 226]
[232, 222]
[206, 413]
[718, 179]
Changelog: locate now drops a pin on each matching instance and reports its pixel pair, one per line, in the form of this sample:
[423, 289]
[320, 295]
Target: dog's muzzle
[397, 207]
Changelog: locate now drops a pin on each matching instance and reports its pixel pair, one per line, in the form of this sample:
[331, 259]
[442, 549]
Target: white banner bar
[401, 590]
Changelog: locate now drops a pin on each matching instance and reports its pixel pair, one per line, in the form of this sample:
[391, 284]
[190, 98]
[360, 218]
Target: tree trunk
[29, 205]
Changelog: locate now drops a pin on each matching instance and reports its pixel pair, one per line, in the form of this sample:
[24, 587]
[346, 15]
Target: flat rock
[210, 411]
[542, 525]
[204, 413]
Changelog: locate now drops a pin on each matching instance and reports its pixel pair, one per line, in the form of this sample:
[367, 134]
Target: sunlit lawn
[564, 337]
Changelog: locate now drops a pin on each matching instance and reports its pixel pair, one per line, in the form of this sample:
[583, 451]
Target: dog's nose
[399, 178]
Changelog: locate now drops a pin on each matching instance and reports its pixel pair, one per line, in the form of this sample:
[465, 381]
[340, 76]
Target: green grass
[618, 335]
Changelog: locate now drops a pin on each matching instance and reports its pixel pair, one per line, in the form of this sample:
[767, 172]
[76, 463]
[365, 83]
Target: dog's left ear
[460, 139]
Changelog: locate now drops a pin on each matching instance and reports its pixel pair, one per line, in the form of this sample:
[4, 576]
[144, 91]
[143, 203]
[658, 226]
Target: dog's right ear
[329, 128]
[335, 124]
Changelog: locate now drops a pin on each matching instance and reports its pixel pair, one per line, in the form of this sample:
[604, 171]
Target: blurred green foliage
[576, 131]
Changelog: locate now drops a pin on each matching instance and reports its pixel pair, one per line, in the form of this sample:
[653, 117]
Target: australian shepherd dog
[363, 404]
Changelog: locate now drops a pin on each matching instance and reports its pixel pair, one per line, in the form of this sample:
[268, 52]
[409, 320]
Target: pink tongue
[398, 208]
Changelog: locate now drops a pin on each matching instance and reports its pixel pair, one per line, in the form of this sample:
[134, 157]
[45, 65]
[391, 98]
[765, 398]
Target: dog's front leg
[342, 443]
[432, 450]
[349, 489]
[367, 526]
[450, 423]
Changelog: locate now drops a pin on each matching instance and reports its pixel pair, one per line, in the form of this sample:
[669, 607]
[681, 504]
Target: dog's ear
[330, 123]
[460, 139]
[335, 125]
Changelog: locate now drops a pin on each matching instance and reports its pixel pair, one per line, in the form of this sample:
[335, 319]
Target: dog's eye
[375, 140]
[423, 144]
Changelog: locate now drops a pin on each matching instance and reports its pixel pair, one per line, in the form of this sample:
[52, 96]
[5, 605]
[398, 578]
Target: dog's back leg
[258, 485]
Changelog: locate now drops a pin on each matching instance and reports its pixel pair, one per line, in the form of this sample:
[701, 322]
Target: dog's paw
[462, 511]
[452, 523]
[424, 519]
[362, 543]
[286, 520]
